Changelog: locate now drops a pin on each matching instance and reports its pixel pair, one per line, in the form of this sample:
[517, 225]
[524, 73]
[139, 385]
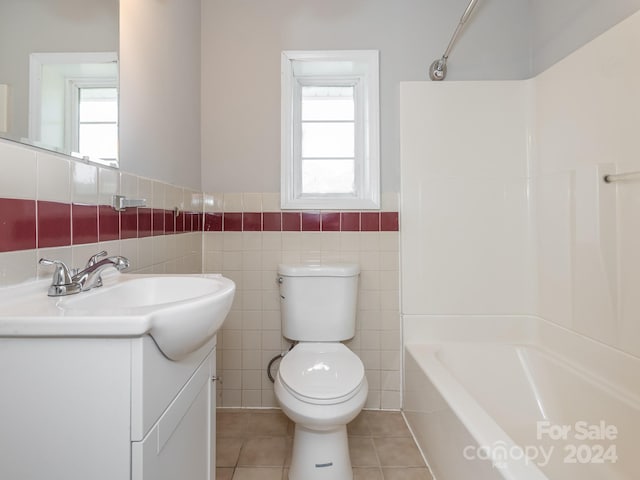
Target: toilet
[320, 384]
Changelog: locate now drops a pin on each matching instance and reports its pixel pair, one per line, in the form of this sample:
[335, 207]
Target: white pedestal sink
[180, 312]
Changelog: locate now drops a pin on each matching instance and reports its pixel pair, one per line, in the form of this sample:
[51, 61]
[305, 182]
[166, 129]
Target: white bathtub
[520, 398]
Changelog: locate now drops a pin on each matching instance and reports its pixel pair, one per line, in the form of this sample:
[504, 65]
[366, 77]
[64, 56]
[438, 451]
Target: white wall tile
[108, 185]
[271, 202]
[84, 183]
[252, 202]
[54, 178]
[232, 202]
[17, 267]
[19, 172]
[159, 194]
[145, 191]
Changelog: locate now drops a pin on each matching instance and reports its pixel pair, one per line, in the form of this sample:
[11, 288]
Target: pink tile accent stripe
[29, 224]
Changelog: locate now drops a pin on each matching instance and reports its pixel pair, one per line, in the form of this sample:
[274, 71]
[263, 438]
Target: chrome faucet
[89, 277]
[69, 281]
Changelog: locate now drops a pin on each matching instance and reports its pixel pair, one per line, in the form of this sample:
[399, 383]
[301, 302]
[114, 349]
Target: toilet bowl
[321, 384]
[321, 387]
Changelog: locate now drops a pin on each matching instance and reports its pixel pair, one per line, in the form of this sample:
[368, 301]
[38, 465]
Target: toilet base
[320, 454]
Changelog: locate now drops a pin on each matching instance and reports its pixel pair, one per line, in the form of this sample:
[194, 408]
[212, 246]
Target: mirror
[59, 76]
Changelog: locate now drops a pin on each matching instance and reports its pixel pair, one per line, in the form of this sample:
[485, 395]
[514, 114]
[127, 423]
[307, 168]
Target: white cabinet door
[179, 446]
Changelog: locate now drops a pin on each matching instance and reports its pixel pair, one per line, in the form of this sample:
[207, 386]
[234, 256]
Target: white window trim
[364, 75]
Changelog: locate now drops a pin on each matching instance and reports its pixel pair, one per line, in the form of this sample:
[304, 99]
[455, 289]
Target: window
[330, 130]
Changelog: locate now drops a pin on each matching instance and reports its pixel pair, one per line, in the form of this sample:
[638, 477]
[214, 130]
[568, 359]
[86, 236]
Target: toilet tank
[318, 302]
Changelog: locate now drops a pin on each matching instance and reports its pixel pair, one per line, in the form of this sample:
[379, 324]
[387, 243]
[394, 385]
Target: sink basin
[180, 312]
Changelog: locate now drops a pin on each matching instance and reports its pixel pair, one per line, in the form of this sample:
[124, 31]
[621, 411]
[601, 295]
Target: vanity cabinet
[105, 409]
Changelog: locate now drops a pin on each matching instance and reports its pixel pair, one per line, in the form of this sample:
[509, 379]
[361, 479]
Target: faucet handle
[61, 283]
[94, 258]
[61, 274]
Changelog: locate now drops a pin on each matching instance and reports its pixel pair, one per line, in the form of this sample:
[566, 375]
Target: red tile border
[169, 222]
[28, 224]
[350, 221]
[272, 222]
[310, 221]
[252, 222]
[145, 222]
[213, 222]
[330, 221]
[17, 224]
[129, 223]
[84, 224]
[108, 223]
[369, 221]
[54, 224]
[291, 221]
[188, 222]
[389, 222]
[157, 222]
[232, 222]
[180, 223]
[196, 222]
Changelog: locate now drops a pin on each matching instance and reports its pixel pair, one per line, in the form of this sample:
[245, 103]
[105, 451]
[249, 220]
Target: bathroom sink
[180, 312]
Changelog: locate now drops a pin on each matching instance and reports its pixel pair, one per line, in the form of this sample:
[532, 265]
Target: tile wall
[54, 207]
[247, 236]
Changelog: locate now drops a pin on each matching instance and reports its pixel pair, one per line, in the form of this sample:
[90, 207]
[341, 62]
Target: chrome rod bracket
[121, 203]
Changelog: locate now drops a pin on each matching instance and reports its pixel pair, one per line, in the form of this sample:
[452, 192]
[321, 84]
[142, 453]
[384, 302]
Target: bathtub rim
[607, 365]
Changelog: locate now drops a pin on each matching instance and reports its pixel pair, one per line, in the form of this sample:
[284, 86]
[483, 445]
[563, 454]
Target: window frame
[357, 68]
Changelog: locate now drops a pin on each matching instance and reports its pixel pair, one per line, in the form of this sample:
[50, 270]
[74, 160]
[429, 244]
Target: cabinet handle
[215, 378]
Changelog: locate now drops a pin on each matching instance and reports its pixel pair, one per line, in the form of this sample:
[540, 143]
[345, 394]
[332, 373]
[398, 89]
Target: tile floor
[256, 444]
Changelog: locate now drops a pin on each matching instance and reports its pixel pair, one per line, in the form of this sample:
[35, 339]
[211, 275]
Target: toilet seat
[321, 373]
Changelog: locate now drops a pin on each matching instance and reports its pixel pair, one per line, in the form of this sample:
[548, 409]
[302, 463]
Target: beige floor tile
[268, 423]
[398, 452]
[224, 473]
[259, 443]
[257, 473]
[387, 424]
[406, 474]
[362, 452]
[287, 459]
[264, 452]
[231, 423]
[367, 474]
[228, 451]
[359, 426]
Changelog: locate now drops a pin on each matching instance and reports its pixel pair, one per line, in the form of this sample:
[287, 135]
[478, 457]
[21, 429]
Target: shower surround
[509, 226]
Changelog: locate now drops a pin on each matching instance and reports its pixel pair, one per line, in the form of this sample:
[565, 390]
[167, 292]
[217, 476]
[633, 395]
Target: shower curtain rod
[438, 69]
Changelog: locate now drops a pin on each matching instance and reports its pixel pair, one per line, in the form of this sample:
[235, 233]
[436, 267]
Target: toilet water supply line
[438, 69]
[277, 357]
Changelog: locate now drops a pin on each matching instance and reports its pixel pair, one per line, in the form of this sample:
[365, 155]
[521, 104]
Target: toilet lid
[321, 371]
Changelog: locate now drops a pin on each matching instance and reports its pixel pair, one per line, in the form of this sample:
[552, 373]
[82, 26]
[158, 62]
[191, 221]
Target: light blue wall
[558, 27]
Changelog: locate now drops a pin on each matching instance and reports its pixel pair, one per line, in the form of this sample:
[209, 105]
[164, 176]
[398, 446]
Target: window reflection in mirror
[73, 104]
[33, 28]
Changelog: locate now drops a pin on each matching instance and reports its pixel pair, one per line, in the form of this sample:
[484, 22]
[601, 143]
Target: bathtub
[519, 398]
